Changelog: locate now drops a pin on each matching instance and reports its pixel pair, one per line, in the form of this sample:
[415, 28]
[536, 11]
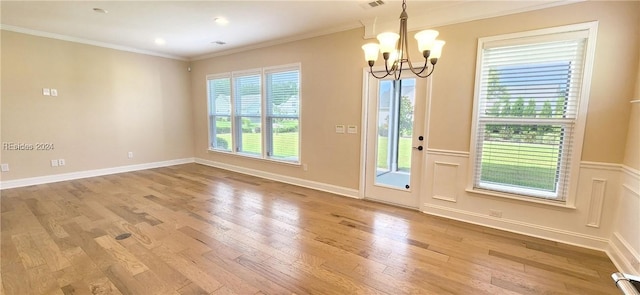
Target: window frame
[268, 117]
[533, 37]
[211, 117]
[237, 116]
[236, 129]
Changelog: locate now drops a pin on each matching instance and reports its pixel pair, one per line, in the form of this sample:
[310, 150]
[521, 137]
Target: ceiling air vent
[376, 3]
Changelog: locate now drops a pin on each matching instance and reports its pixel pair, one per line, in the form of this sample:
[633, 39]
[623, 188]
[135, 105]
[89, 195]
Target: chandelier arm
[377, 77]
[398, 73]
[415, 71]
[430, 72]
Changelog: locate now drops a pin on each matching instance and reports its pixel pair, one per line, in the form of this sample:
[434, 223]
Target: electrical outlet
[61, 162]
[54, 163]
[54, 92]
[130, 155]
[305, 167]
[495, 213]
[5, 167]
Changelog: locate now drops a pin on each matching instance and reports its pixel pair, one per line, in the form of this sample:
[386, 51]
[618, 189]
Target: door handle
[418, 147]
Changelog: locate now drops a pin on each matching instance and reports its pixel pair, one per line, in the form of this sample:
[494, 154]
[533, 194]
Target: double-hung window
[283, 108]
[529, 112]
[219, 89]
[256, 113]
[247, 97]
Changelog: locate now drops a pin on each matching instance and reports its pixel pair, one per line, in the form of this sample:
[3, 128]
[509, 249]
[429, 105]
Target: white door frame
[363, 138]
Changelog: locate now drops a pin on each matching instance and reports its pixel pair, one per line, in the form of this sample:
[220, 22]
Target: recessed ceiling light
[221, 21]
[218, 42]
[100, 10]
[160, 41]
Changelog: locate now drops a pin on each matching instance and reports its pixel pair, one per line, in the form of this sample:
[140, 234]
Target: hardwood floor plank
[122, 255]
[188, 269]
[50, 251]
[232, 275]
[14, 275]
[27, 250]
[42, 280]
[200, 230]
[169, 276]
[192, 289]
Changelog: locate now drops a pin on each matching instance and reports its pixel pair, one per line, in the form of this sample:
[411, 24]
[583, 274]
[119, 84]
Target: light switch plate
[5, 167]
[46, 91]
[54, 92]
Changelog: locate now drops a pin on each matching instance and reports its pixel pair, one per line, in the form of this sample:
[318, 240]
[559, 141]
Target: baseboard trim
[89, 173]
[334, 189]
[519, 227]
[623, 256]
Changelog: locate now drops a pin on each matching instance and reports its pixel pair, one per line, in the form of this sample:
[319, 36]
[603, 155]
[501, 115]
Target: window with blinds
[283, 114]
[247, 97]
[219, 91]
[528, 94]
[256, 113]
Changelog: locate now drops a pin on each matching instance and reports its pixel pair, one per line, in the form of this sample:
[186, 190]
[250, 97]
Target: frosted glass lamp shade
[388, 41]
[425, 39]
[371, 51]
[436, 50]
[393, 57]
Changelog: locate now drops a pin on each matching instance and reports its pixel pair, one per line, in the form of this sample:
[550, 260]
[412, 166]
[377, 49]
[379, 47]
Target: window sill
[535, 200]
[252, 157]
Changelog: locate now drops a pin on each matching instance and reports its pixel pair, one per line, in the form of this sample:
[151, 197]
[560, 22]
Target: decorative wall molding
[624, 244]
[630, 171]
[630, 189]
[623, 256]
[334, 189]
[89, 173]
[519, 227]
[445, 180]
[598, 187]
[600, 165]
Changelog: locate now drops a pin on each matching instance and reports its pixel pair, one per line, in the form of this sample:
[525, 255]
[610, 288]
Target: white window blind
[283, 114]
[219, 90]
[256, 113]
[528, 99]
[248, 117]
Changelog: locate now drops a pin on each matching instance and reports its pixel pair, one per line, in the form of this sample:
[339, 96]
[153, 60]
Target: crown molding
[452, 14]
[86, 41]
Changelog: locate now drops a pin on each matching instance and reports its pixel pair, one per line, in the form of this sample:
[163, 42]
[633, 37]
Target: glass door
[395, 141]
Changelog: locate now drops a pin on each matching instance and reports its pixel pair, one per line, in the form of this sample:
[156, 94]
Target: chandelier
[396, 54]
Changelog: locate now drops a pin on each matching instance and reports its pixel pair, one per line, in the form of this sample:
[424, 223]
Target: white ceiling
[189, 29]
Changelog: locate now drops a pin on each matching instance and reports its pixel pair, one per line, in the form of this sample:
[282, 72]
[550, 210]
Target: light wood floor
[199, 230]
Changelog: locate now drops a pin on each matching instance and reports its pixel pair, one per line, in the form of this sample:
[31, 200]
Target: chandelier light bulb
[371, 51]
[425, 39]
[388, 41]
[436, 50]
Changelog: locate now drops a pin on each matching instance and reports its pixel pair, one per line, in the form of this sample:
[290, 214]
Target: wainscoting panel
[589, 222]
[598, 187]
[445, 176]
[624, 247]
